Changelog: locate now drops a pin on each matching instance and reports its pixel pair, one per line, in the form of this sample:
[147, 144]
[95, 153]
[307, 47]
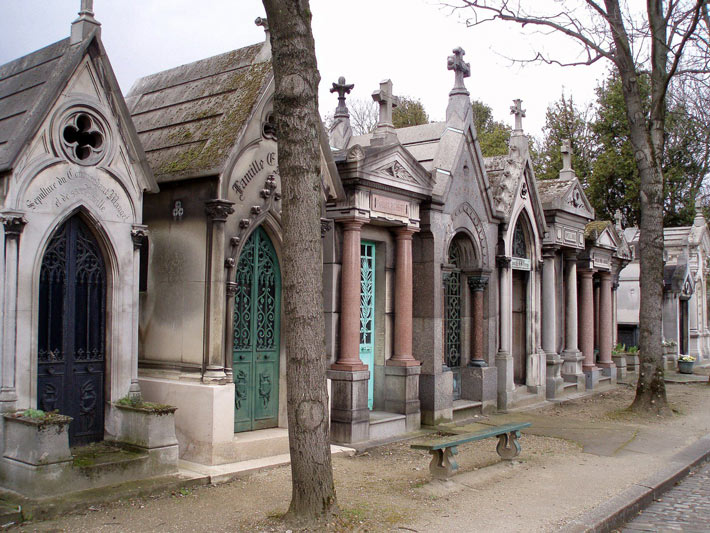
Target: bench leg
[443, 465]
[508, 445]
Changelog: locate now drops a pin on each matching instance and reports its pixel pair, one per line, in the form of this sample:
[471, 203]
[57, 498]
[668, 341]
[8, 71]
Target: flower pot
[685, 367]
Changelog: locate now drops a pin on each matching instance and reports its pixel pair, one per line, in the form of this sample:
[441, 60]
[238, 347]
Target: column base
[504, 364]
[592, 377]
[349, 367]
[436, 397]
[349, 416]
[407, 362]
[477, 363]
[479, 384]
[402, 393]
[554, 384]
[8, 400]
[214, 374]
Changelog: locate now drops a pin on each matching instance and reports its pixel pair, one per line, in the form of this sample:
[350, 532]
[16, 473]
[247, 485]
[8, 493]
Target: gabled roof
[30, 85]
[191, 116]
[565, 194]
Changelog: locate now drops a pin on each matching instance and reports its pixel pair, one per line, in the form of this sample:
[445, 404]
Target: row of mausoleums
[141, 258]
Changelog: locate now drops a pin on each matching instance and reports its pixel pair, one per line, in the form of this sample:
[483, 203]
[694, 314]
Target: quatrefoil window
[83, 138]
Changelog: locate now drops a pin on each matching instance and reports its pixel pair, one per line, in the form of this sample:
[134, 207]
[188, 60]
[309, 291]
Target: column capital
[352, 224]
[13, 222]
[218, 210]
[503, 261]
[231, 289]
[139, 233]
[477, 283]
[549, 252]
[604, 275]
[585, 273]
[404, 232]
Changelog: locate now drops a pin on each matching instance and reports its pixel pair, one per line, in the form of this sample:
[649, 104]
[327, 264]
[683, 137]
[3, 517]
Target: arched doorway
[521, 272]
[72, 330]
[452, 316]
[255, 351]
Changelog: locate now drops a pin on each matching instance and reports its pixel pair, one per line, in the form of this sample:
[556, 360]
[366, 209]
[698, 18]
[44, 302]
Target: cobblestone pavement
[686, 507]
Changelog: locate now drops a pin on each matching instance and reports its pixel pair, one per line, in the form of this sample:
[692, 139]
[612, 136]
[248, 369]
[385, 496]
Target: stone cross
[342, 89]
[617, 218]
[387, 102]
[461, 70]
[566, 150]
[519, 112]
[87, 7]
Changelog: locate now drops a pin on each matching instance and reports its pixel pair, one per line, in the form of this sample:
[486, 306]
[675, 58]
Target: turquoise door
[255, 352]
[367, 314]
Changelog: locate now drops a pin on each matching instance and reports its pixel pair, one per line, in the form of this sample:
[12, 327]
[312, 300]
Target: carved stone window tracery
[83, 138]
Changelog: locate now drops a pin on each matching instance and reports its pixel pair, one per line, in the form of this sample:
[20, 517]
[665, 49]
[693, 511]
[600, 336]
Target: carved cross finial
[342, 89]
[87, 8]
[387, 102]
[519, 112]
[263, 22]
[617, 218]
[566, 150]
[461, 70]
[698, 203]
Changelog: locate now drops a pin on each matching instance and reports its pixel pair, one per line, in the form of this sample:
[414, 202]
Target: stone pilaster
[139, 235]
[217, 212]
[504, 357]
[13, 224]
[477, 285]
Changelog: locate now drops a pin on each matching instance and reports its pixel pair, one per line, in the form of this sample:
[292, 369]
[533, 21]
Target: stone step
[466, 409]
[384, 425]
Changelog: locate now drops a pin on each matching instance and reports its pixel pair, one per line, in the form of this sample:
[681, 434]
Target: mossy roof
[595, 228]
[189, 117]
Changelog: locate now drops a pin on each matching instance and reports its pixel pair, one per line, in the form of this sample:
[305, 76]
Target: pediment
[397, 168]
[576, 202]
[606, 239]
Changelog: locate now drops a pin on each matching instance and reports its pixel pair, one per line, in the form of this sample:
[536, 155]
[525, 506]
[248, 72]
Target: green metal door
[255, 352]
[367, 314]
[452, 294]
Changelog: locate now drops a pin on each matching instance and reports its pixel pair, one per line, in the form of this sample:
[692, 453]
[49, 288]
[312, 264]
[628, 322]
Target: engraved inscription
[391, 206]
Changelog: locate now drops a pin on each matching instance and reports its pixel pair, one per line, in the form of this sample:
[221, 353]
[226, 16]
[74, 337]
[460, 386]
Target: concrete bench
[443, 465]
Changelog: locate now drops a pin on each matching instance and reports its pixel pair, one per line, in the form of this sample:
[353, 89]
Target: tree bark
[298, 124]
[646, 139]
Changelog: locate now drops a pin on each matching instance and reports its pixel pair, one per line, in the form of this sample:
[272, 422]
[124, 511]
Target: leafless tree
[667, 39]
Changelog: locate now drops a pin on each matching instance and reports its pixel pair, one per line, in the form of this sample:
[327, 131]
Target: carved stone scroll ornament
[218, 210]
[477, 283]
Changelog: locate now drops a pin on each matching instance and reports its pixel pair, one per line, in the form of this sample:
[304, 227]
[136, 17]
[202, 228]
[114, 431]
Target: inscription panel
[53, 188]
[390, 206]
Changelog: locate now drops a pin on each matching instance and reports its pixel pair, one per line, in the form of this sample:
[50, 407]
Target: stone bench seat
[443, 465]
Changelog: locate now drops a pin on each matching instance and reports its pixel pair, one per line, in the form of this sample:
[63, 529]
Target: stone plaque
[53, 188]
[254, 166]
[601, 261]
[520, 263]
[391, 206]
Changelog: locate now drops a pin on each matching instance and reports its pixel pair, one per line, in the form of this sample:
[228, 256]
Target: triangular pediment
[576, 202]
[606, 239]
[396, 167]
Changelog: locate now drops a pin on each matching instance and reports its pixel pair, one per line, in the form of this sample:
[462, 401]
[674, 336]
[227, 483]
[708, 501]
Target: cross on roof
[387, 102]
[566, 150]
[519, 112]
[461, 70]
[342, 89]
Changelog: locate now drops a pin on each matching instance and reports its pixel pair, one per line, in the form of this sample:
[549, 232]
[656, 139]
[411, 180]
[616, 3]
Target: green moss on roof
[595, 228]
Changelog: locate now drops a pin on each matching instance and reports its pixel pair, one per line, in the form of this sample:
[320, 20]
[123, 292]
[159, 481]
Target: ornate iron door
[367, 314]
[452, 294]
[72, 331]
[255, 352]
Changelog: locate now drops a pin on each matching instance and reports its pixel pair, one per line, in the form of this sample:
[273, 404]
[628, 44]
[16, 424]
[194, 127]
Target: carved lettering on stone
[391, 206]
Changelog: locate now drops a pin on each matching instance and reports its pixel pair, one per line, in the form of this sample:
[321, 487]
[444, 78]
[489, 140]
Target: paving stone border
[624, 507]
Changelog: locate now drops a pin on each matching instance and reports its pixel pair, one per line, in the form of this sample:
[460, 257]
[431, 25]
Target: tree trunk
[651, 388]
[298, 124]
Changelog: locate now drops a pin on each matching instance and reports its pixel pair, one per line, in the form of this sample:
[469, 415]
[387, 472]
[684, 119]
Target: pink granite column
[605, 320]
[349, 356]
[477, 284]
[586, 319]
[403, 301]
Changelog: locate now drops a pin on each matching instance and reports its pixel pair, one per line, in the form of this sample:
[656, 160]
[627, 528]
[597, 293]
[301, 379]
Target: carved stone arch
[462, 246]
[523, 227]
[479, 238]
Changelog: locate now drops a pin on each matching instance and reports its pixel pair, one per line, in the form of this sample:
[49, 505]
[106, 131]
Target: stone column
[586, 318]
[693, 312]
[349, 355]
[605, 321]
[402, 369]
[554, 384]
[504, 357]
[139, 234]
[619, 359]
[572, 365]
[403, 301]
[217, 212]
[13, 224]
[477, 285]
[350, 419]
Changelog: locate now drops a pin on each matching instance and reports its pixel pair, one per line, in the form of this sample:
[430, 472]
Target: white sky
[366, 41]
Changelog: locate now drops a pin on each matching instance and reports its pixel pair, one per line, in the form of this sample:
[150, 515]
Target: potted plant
[36, 437]
[685, 364]
[146, 424]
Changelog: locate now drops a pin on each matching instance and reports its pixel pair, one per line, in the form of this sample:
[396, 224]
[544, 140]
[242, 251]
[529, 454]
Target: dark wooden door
[72, 331]
[255, 351]
[520, 328]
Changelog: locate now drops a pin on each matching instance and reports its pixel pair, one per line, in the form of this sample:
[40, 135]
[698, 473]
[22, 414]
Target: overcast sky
[366, 41]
